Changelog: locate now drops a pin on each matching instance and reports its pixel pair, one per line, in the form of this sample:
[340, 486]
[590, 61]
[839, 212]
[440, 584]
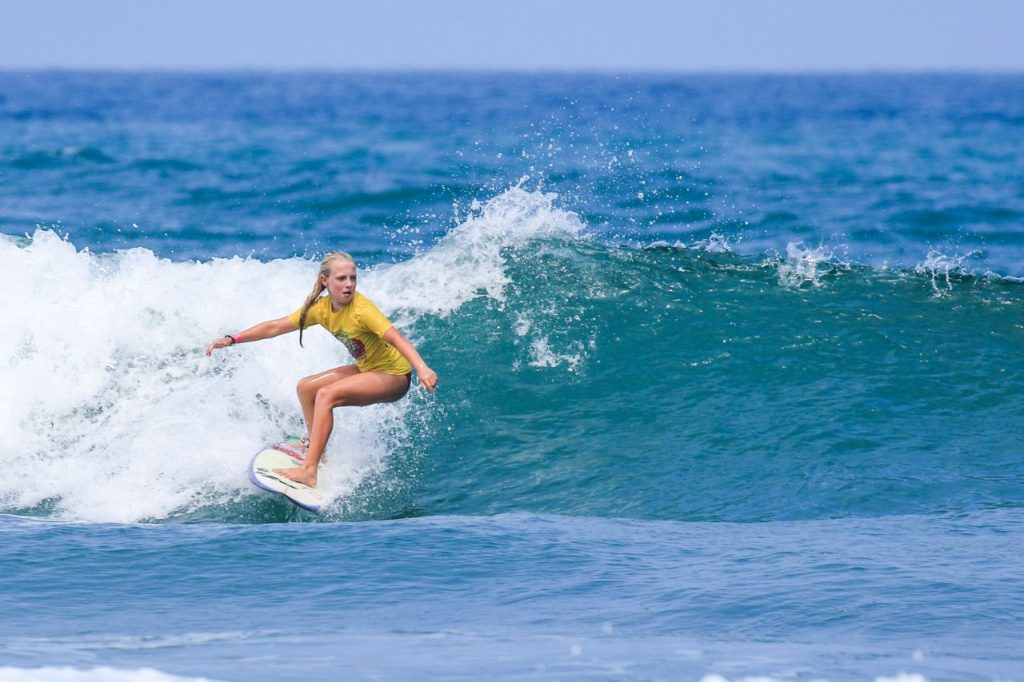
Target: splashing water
[806, 266]
[942, 269]
[107, 388]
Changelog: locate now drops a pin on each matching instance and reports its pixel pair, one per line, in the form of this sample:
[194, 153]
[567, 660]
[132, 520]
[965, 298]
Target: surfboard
[284, 456]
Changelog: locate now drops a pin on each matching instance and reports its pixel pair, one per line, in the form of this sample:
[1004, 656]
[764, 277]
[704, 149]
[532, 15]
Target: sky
[517, 35]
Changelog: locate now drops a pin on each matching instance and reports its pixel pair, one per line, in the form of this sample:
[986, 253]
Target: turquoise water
[730, 376]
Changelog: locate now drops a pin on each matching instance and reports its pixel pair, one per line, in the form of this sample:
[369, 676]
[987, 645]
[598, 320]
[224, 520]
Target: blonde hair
[318, 285]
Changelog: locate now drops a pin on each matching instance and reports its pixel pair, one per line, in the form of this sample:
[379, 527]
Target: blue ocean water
[730, 378]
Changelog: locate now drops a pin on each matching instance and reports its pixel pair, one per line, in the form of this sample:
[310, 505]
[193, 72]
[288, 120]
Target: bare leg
[357, 390]
[308, 386]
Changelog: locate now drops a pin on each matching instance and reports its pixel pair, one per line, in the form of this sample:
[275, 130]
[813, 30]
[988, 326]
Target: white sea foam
[715, 243]
[110, 411]
[1004, 278]
[806, 266]
[104, 674]
[470, 260]
[542, 355]
[941, 268]
[903, 677]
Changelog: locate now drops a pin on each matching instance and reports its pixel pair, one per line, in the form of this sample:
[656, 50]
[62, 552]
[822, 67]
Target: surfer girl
[384, 357]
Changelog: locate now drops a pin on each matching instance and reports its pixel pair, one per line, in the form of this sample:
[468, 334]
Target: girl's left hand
[428, 378]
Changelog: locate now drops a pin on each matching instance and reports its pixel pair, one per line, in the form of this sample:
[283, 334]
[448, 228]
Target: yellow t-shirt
[360, 326]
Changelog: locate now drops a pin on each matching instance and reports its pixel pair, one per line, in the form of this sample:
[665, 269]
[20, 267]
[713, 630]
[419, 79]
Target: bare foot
[299, 475]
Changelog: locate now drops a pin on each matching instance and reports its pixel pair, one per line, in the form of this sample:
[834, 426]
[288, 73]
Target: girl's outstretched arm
[263, 330]
[404, 346]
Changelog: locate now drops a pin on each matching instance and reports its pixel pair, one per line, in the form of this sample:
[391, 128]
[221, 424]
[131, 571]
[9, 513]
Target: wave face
[577, 378]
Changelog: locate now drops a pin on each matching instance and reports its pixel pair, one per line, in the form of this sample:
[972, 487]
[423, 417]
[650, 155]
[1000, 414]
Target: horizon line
[513, 71]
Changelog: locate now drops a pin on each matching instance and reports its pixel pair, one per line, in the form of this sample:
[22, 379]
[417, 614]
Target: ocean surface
[731, 377]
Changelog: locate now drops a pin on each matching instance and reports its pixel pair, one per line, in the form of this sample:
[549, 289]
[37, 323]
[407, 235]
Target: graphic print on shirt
[356, 347]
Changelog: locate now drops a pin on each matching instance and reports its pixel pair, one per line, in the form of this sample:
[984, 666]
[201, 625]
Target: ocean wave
[107, 388]
[99, 673]
[561, 358]
[61, 157]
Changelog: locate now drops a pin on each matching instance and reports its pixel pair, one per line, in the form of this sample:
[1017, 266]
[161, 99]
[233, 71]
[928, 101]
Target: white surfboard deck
[285, 456]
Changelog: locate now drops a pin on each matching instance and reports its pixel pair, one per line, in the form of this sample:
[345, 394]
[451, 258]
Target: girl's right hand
[222, 342]
[428, 379]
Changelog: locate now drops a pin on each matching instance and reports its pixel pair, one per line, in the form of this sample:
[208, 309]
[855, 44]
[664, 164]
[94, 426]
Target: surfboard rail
[284, 455]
